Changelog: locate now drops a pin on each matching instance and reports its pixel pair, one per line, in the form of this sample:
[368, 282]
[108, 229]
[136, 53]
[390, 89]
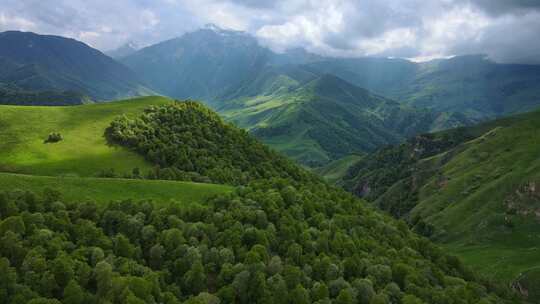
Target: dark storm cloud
[505, 30]
[501, 7]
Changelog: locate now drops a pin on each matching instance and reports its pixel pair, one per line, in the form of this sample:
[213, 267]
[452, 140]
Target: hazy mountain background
[313, 108]
[41, 68]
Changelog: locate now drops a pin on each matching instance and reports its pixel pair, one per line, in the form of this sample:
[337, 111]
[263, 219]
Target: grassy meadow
[83, 150]
[73, 164]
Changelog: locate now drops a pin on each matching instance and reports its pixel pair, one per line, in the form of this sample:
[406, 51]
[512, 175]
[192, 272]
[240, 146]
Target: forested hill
[187, 140]
[281, 237]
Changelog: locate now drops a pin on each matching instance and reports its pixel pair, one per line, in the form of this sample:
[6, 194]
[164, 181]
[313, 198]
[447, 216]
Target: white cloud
[7, 23]
[505, 30]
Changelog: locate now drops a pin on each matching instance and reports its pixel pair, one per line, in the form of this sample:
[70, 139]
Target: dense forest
[274, 241]
[283, 236]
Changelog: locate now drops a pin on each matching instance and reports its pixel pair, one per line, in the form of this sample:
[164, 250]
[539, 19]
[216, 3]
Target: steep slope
[40, 63]
[473, 189]
[315, 119]
[470, 85]
[334, 171]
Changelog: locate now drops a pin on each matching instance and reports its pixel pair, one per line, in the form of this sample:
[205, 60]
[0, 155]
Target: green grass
[83, 151]
[335, 170]
[104, 190]
[472, 212]
[71, 165]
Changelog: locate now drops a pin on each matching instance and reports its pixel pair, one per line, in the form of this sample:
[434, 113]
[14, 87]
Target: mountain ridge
[37, 63]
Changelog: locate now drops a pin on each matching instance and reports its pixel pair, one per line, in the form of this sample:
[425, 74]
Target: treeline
[12, 95]
[274, 241]
[187, 141]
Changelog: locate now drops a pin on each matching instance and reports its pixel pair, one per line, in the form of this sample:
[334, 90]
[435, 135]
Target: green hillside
[105, 190]
[317, 119]
[282, 236]
[334, 171]
[83, 151]
[475, 190]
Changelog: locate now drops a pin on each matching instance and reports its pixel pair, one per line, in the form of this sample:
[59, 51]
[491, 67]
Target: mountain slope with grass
[43, 65]
[315, 119]
[83, 151]
[475, 190]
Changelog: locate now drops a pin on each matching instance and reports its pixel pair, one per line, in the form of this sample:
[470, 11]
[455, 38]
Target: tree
[156, 256]
[364, 290]
[277, 289]
[62, 268]
[8, 279]
[73, 293]
[299, 295]
[104, 276]
[319, 291]
[345, 297]
[195, 278]
[410, 299]
[14, 224]
[122, 246]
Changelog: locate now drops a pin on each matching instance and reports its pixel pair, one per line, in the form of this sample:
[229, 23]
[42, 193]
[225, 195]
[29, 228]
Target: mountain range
[54, 70]
[212, 64]
[472, 85]
[313, 108]
[318, 118]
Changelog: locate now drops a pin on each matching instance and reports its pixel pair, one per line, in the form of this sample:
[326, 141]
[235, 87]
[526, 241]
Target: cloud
[503, 7]
[505, 30]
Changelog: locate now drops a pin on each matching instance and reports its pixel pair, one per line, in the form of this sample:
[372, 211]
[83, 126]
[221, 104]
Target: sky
[505, 30]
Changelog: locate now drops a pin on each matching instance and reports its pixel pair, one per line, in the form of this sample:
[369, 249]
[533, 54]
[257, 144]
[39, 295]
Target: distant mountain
[42, 65]
[213, 63]
[278, 95]
[208, 63]
[319, 118]
[475, 189]
[201, 64]
[124, 50]
[471, 85]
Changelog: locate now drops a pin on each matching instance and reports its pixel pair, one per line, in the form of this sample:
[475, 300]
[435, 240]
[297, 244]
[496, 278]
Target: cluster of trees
[187, 141]
[274, 241]
[53, 137]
